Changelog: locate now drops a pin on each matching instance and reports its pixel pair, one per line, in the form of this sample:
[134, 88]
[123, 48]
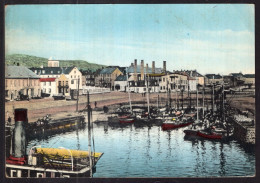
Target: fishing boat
[209, 134]
[126, 119]
[173, 124]
[191, 132]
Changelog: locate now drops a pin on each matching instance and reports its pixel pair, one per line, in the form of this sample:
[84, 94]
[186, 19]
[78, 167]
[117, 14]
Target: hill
[33, 61]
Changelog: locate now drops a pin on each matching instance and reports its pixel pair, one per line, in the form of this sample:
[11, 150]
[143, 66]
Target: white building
[49, 86]
[120, 83]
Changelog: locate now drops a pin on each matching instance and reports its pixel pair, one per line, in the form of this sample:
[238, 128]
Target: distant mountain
[33, 61]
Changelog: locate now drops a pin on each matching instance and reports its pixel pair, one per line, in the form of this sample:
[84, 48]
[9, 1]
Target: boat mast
[128, 89]
[89, 138]
[213, 97]
[203, 98]
[147, 90]
[197, 100]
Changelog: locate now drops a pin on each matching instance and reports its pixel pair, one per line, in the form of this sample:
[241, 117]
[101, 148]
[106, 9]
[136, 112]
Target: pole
[89, 138]
[182, 99]
[197, 100]
[77, 107]
[167, 100]
[213, 97]
[147, 89]
[203, 98]
[128, 89]
[158, 102]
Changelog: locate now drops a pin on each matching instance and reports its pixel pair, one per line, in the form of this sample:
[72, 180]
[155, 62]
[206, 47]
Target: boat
[191, 132]
[47, 162]
[126, 119]
[209, 134]
[173, 124]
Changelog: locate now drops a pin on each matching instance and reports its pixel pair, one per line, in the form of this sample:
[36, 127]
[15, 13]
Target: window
[49, 90]
[163, 79]
[67, 83]
[71, 76]
[44, 83]
[59, 83]
[72, 82]
[6, 93]
[62, 83]
[50, 83]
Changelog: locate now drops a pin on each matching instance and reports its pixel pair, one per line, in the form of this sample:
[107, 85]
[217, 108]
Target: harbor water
[146, 151]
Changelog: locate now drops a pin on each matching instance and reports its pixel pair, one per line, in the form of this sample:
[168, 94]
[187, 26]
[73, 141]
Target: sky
[211, 38]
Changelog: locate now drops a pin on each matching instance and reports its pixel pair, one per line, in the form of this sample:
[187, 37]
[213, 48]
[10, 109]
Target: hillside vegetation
[33, 61]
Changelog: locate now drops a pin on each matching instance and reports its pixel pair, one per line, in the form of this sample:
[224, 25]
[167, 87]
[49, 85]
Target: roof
[19, 72]
[213, 76]
[236, 74]
[193, 73]
[47, 79]
[138, 69]
[121, 78]
[249, 75]
[52, 70]
[108, 70]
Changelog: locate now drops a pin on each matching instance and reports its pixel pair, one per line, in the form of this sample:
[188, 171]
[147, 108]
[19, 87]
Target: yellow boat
[66, 153]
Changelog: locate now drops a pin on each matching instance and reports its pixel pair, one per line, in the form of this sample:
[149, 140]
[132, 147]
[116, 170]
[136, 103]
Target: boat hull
[209, 136]
[169, 126]
[129, 120]
[191, 132]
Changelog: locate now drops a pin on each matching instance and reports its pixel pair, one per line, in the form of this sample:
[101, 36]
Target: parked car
[60, 96]
[45, 94]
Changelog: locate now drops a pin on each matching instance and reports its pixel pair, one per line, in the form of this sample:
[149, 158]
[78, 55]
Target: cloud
[207, 51]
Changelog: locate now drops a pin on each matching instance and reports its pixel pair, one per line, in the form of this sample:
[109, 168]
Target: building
[121, 83]
[139, 75]
[195, 75]
[53, 63]
[73, 75]
[213, 79]
[19, 81]
[107, 77]
[48, 86]
[249, 79]
[174, 82]
[62, 86]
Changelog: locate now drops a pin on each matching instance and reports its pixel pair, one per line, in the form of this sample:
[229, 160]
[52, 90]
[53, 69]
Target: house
[213, 79]
[62, 86]
[195, 75]
[73, 75]
[174, 82]
[249, 79]
[107, 76]
[90, 76]
[48, 86]
[120, 83]
[19, 81]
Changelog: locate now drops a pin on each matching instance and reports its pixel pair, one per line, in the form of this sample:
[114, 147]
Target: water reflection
[144, 150]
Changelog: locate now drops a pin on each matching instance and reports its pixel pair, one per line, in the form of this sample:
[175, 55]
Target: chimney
[153, 67]
[147, 68]
[164, 66]
[19, 136]
[135, 70]
[142, 69]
